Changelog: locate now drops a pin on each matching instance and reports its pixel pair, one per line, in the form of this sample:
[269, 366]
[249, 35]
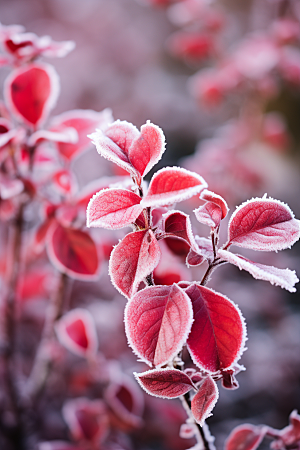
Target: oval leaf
[218, 332]
[263, 224]
[171, 185]
[245, 437]
[135, 257]
[113, 208]
[157, 322]
[73, 252]
[285, 278]
[77, 332]
[31, 92]
[204, 401]
[165, 383]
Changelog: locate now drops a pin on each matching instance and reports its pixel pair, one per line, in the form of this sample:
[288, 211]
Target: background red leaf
[157, 322]
[218, 332]
[165, 383]
[245, 437]
[31, 92]
[263, 224]
[113, 208]
[135, 257]
[73, 252]
[204, 401]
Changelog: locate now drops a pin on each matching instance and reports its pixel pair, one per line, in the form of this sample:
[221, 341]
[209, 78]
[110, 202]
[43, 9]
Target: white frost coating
[51, 100]
[244, 334]
[168, 198]
[90, 330]
[180, 343]
[192, 241]
[163, 145]
[139, 376]
[114, 219]
[268, 244]
[285, 278]
[217, 199]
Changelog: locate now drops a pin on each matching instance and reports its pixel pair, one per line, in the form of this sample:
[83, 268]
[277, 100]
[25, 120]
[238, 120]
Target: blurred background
[222, 79]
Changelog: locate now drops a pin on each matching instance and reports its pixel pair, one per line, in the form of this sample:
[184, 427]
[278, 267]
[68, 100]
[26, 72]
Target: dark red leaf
[135, 257]
[245, 437]
[31, 92]
[157, 322]
[113, 208]
[73, 252]
[204, 401]
[76, 331]
[165, 383]
[178, 225]
[173, 184]
[218, 332]
[284, 278]
[263, 224]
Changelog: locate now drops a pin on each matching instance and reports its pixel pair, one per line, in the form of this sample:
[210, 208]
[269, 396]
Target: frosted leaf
[164, 383]
[204, 401]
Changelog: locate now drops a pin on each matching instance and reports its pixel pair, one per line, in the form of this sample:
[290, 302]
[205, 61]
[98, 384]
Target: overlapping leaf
[157, 322]
[204, 401]
[178, 225]
[209, 214]
[284, 278]
[73, 252]
[171, 185]
[165, 383]
[136, 152]
[113, 208]
[31, 92]
[216, 199]
[135, 257]
[218, 332]
[263, 224]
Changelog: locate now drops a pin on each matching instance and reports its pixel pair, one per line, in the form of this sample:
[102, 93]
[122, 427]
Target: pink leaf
[157, 322]
[204, 251]
[209, 214]
[73, 252]
[147, 149]
[171, 185]
[218, 333]
[217, 199]
[136, 152]
[87, 419]
[165, 383]
[77, 332]
[113, 208]
[31, 92]
[135, 257]
[245, 437]
[193, 259]
[204, 401]
[263, 224]
[82, 122]
[284, 278]
[177, 224]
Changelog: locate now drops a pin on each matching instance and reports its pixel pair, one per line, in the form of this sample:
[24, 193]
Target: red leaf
[136, 152]
[171, 185]
[263, 224]
[84, 122]
[113, 208]
[284, 278]
[204, 401]
[87, 419]
[218, 332]
[73, 252]
[165, 383]
[177, 224]
[209, 214]
[84, 196]
[31, 92]
[157, 322]
[58, 445]
[76, 331]
[193, 259]
[135, 257]
[245, 437]
[217, 199]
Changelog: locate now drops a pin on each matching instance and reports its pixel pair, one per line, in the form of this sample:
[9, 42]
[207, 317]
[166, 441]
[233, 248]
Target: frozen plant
[161, 319]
